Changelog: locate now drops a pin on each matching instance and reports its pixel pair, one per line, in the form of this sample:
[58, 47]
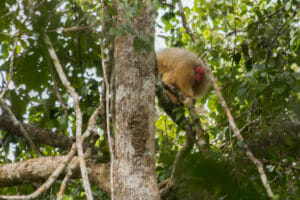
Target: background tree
[252, 48]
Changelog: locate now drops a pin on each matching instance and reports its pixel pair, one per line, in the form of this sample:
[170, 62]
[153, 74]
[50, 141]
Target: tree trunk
[134, 169]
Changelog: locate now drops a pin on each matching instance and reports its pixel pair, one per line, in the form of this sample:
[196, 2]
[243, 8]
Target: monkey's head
[199, 73]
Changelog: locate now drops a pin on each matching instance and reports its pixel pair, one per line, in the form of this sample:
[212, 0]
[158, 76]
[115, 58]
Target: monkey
[183, 69]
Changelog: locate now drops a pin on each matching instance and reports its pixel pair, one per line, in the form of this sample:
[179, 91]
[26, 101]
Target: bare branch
[196, 124]
[73, 28]
[249, 124]
[185, 149]
[91, 126]
[237, 133]
[59, 168]
[38, 169]
[39, 135]
[163, 2]
[166, 187]
[78, 114]
[107, 109]
[55, 88]
[189, 128]
[16, 123]
[232, 123]
[65, 182]
[49, 181]
[184, 22]
[11, 67]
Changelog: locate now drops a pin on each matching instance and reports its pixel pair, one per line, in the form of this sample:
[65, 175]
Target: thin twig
[167, 4]
[69, 29]
[249, 110]
[91, 126]
[237, 133]
[55, 88]
[254, 23]
[107, 111]
[196, 124]
[281, 29]
[71, 90]
[186, 148]
[189, 127]
[75, 28]
[11, 67]
[232, 123]
[248, 124]
[49, 181]
[16, 123]
[63, 185]
[184, 22]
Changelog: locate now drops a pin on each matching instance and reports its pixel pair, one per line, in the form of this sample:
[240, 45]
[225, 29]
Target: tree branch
[163, 2]
[55, 174]
[38, 169]
[19, 126]
[232, 123]
[238, 135]
[45, 185]
[78, 114]
[56, 91]
[173, 111]
[69, 29]
[90, 128]
[165, 103]
[249, 124]
[184, 22]
[105, 75]
[11, 67]
[39, 135]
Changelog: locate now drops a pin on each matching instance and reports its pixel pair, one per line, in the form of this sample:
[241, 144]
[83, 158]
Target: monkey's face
[199, 73]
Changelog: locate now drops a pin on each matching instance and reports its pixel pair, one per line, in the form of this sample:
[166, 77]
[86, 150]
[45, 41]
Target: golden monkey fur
[177, 67]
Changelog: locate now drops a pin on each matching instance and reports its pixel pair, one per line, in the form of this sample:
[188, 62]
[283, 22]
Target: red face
[199, 73]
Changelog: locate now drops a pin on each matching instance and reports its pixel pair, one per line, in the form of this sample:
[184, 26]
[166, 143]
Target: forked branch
[19, 126]
[78, 114]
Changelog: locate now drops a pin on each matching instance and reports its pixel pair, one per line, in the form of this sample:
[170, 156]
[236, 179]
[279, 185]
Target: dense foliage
[252, 46]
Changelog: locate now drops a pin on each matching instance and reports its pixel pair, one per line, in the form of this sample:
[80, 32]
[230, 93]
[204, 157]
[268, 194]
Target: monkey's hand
[174, 93]
[189, 101]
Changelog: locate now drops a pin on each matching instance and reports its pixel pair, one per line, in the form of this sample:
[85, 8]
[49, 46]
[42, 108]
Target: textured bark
[39, 135]
[39, 169]
[134, 169]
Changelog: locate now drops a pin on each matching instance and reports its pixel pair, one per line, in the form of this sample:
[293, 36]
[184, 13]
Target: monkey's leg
[189, 94]
[172, 97]
[185, 86]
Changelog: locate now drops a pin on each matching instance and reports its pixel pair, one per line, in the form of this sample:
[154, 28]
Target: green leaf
[129, 29]
[279, 90]
[206, 34]
[116, 31]
[179, 115]
[261, 86]
[18, 49]
[241, 91]
[140, 43]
